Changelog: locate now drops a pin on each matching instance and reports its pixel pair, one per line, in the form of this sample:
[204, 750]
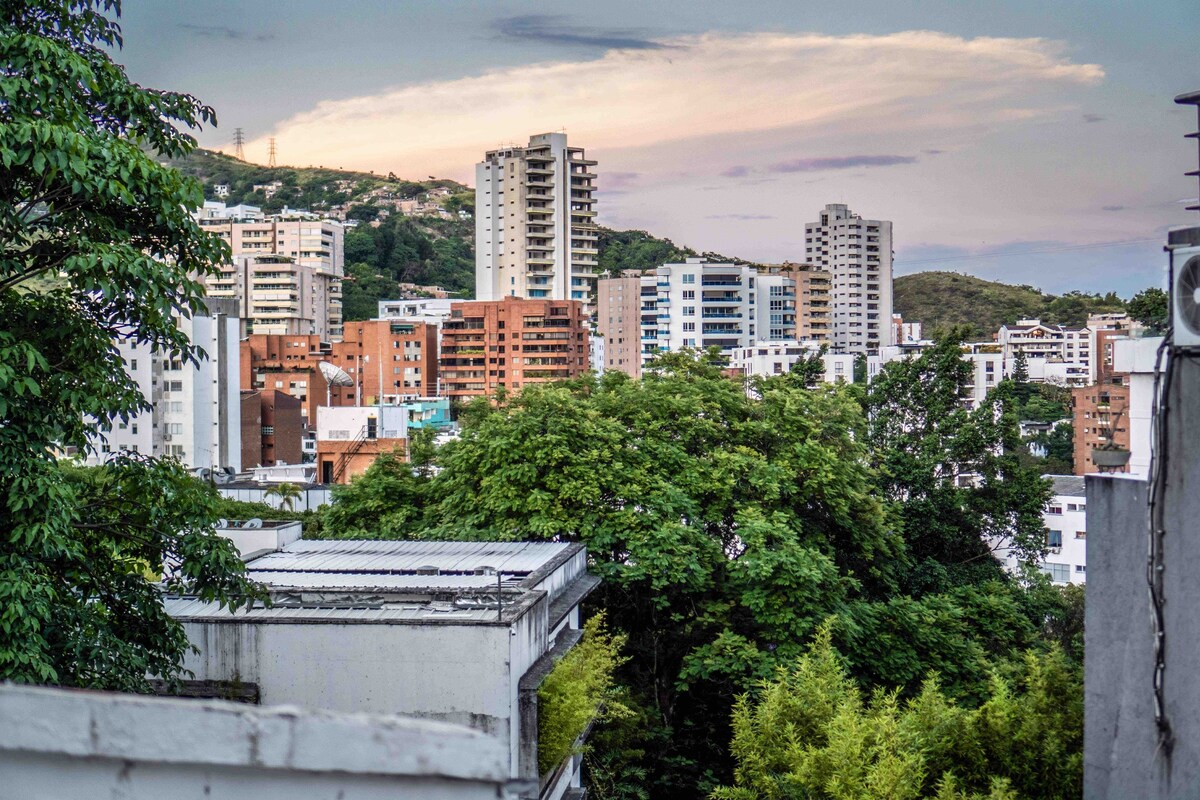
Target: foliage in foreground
[578, 690]
[728, 527]
[98, 246]
[809, 733]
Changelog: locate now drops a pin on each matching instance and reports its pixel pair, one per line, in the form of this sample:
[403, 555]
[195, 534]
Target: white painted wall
[72, 745]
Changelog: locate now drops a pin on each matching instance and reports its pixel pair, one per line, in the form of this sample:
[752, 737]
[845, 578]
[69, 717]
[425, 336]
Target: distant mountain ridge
[433, 250]
[941, 299]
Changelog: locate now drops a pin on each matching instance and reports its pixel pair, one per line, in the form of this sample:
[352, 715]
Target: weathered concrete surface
[1122, 758]
[69, 744]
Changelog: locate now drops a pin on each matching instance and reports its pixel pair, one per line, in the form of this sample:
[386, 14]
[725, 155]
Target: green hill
[431, 250]
[941, 299]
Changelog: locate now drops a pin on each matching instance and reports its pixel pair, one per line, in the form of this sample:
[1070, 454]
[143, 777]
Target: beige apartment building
[535, 222]
[619, 321]
[857, 254]
[286, 272]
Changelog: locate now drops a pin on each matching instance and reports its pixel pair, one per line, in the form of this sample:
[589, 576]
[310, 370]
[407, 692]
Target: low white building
[461, 632]
[195, 413]
[430, 310]
[338, 423]
[80, 745]
[777, 358]
[1065, 518]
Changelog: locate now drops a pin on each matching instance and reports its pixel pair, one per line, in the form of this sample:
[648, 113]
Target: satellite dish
[335, 375]
[252, 523]
[222, 523]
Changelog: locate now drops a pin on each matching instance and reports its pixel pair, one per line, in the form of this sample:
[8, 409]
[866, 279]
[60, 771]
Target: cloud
[934, 152]
[224, 32]
[1094, 118]
[740, 216]
[737, 171]
[618, 180]
[807, 87]
[839, 162]
[553, 29]
[1113, 208]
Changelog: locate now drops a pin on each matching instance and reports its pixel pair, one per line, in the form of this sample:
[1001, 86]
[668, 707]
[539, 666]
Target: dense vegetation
[729, 528]
[99, 248]
[946, 299]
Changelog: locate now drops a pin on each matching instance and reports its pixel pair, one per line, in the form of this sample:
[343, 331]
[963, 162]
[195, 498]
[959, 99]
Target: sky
[1026, 141]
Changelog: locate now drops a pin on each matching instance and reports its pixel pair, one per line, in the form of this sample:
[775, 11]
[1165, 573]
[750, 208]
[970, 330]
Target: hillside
[941, 299]
[436, 248]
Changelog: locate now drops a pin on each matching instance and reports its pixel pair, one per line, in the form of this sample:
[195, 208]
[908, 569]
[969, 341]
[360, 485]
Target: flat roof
[1068, 485]
[367, 581]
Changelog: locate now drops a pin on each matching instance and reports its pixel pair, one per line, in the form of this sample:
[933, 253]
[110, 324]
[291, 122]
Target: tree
[98, 246]
[1150, 307]
[287, 493]
[809, 732]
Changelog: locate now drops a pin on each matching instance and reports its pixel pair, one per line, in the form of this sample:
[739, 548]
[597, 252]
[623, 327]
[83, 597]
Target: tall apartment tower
[195, 409]
[535, 222]
[286, 270]
[857, 253]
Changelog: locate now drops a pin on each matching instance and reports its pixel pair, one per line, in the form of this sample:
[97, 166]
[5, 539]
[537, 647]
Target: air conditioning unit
[1185, 294]
[1055, 550]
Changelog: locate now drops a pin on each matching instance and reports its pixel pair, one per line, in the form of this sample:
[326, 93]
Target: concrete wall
[70, 745]
[1122, 757]
[454, 673]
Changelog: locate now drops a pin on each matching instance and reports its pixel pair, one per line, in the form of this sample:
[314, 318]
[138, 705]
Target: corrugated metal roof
[371, 582]
[188, 609]
[380, 557]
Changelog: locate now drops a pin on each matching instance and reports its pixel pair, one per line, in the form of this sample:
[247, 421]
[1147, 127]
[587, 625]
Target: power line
[1004, 254]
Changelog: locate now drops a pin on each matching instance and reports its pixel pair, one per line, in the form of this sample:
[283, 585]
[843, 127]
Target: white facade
[775, 311]
[345, 423]
[857, 253]
[80, 745]
[1053, 353]
[1136, 358]
[535, 230]
[461, 632]
[1065, 518]
[699, 304]
[195, 413]
[429, 310]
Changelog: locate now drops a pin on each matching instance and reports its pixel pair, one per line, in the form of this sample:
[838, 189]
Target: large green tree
[99, 247]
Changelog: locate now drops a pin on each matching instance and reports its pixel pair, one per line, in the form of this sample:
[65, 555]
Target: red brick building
[388, 357]
[1101, 417]
[511, 343]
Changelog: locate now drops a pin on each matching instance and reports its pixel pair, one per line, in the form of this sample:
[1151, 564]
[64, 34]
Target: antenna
[271, 152]
[239, 139]
[1193, 99]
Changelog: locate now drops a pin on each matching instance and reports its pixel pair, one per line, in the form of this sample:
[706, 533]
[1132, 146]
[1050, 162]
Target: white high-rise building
[195, 412]
[535, 227]
[701, 304]
[857, 253]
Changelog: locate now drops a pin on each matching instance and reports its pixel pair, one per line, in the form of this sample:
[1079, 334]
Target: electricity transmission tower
[239, 139]
[271, 153]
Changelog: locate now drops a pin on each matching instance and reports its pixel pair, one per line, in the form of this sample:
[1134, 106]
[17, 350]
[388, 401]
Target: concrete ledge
[137, 728]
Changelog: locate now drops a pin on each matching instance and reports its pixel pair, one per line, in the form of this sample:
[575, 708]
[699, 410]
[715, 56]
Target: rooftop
[1067, 485]
[359, 581]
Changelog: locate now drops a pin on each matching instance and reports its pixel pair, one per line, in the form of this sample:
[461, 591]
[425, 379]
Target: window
[689, 327]
[1080, 569]
[1054, 539]
[1072, 506]
[689, 311]
[689, 278]
[1059, 573]
[1080, 534]
[689, 294]
[133, 363]
[1054, 510]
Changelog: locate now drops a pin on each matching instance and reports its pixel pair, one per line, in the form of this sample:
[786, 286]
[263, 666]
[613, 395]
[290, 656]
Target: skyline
[980, 133]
